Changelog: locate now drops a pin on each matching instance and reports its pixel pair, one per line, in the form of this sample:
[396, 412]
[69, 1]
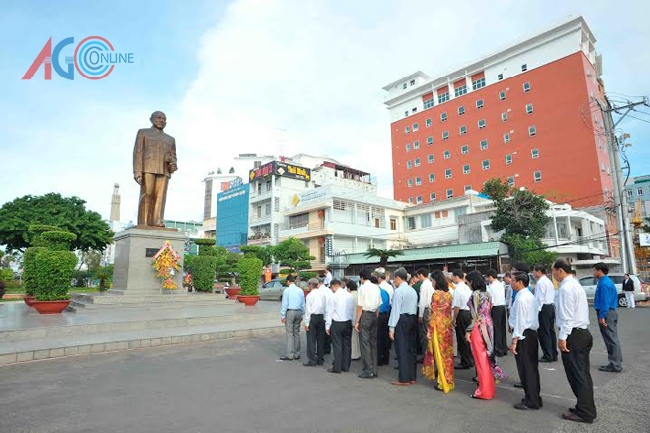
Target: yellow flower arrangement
[166, 260]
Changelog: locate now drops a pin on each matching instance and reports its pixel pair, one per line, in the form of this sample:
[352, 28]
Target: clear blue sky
[231, 75]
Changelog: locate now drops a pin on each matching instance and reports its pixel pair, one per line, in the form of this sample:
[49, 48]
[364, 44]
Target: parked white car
[589, 284]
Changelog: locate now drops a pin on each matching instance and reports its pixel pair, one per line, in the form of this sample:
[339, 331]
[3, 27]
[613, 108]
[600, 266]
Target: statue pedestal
[134, 251]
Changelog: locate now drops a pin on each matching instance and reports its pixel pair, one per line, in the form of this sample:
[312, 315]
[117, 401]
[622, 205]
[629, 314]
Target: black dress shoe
[297, 358]
[286, 358]
[366, 376]
[609, 369]
[331, 370]
[518, 385]
[310, 364]
[570, 416]
[522, 406]
[572, 410]
[320, 363]
[545, 360]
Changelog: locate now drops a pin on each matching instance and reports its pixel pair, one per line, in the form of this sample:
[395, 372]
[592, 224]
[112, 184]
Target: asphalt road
[239, 386]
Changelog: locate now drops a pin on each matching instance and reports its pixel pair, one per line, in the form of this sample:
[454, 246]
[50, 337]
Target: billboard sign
[283, 169]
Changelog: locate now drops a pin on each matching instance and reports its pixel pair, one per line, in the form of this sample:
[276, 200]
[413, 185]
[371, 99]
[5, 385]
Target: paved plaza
[237, 385]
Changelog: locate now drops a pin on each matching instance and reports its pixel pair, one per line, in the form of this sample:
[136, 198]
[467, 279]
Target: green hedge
[54, 271]
[29, 268]
[55, 240]
[250, 271]
[35, 230]
[203, 273]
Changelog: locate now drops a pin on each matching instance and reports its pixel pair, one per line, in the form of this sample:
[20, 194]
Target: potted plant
[29, 259]
[203, 266]
[250, 270]
[54, 268]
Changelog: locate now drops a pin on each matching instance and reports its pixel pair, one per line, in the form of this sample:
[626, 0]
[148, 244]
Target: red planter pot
[50, 307]
[28, 300]
[233, 292]
[249, 301]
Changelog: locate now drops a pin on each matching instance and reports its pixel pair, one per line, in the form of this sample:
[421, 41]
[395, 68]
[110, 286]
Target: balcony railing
[312, 226]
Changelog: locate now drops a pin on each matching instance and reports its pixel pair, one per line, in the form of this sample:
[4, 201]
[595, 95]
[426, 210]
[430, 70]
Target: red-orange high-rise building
[528, 114]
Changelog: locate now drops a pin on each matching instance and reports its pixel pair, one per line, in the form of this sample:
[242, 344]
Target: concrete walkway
[26, 335]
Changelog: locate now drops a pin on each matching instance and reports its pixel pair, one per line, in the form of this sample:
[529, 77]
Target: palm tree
[383, 255]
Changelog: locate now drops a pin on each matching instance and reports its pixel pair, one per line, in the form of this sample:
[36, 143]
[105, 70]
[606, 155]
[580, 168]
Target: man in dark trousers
[523, 323]
[403, 323]
[383, 341]
[338, 324]
[369, 301]
[462, 319]
[545, 296]
[314, 325]
[575, 342]
[605, 303]
[497, 291]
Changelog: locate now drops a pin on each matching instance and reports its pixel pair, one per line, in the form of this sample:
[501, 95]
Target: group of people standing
[426, 310]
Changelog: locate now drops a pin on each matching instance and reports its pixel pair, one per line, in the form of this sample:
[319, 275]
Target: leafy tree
[293, 254]
[496, 189]
[67, 213]
[529, 251]
[383, 255]
[92, 259]
[265, 253]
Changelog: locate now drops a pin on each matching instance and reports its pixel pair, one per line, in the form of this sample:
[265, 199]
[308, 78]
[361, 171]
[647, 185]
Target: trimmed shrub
[56, 240]
[35, 231]
[203, 272]
[307, 275]
[54, 271]
[29, 268]
[250, 271]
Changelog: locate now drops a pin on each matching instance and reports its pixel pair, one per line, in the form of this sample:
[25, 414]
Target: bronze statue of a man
[154, 161]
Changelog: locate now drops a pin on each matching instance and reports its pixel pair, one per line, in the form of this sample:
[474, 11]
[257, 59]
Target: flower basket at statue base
[50, 307]
[249, 300]
[233, 292]
[29, 299]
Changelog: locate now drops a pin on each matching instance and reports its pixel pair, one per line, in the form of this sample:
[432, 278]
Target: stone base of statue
[134, 250]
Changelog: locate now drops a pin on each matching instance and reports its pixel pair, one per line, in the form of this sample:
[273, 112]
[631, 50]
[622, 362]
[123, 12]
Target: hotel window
[404, 86]
[486, 164]
[461, 110]
[428, 103]
[432, 178]
[502, 95]
[425, 221]
[466, 169]
[428, 123]
[407, 130]
[508, 159]
[267, 209]
[393, 224]
[506, 138]
[511, 181]
[478, 83]
[639, 191]
[414, 110]
[418, 181]
[410, 183]
[534, 153]
[446, 154]
[417, 162]
[411, 200]
[529, 108]
[448, 173]
[259, 211]
[460, 91]
[410, 221]
[443, 116]
[629, 193]
[504, 117]
[432, 196]
[406, 113]
[418, 200]
[462, 130]
[408, 165]
[464, 150]
[468, 187]
[532, 131]
[481, 124]
[484, 144]
[526, 87]
[524, 67]
[276, 204]
[443, 97]
[430, 159]
[412, 82]
[408, 147]
[450, 193]
[429, 141]
[445, 135]
[479, 103]
[416, 144]
[500, 77]
[415, 127]
[269, 186]
[538, 176]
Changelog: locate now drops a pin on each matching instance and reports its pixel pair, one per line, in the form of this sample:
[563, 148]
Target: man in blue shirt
[383, 341]
[403, 325]
[293, 307]
[605, 303]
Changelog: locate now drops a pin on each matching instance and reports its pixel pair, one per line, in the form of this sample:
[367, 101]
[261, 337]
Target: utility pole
[620, 198]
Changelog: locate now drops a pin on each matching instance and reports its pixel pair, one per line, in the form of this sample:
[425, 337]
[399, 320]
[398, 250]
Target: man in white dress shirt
[369, 301]
[424, 309]
[328, 276]
[338, 324]
[497, 291]
[523, 322]
[326, 294]
[545, 295]
[380, 273]
[314, 325]
[575, 342]
[462, 319]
